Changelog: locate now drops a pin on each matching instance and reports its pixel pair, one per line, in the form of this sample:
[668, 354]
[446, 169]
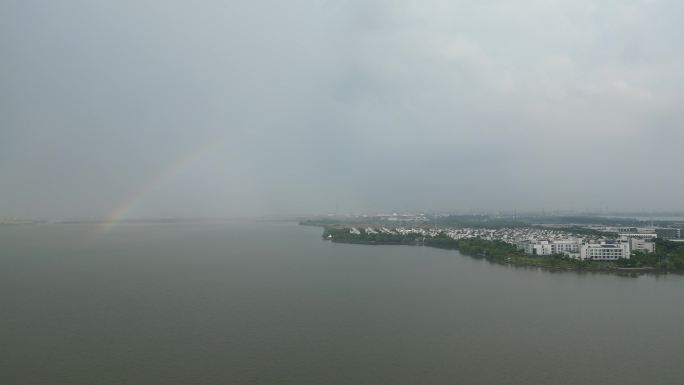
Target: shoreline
[614, 270]
[501, 254]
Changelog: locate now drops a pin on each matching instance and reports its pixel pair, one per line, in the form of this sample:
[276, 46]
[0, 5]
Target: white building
[605, 251]
[639, 244]
[638, 235]
[569, 246]
[551, 247]
[539, 248]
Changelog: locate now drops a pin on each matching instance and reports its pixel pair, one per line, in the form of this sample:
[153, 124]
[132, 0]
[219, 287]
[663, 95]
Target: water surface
[271, 303]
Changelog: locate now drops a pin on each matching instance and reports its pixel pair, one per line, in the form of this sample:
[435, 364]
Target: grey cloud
[305, 106]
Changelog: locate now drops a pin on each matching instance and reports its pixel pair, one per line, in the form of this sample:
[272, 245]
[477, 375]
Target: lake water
[272, 303]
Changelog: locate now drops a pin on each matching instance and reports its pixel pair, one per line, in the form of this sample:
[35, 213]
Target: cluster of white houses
[601, 250]
[538, 241]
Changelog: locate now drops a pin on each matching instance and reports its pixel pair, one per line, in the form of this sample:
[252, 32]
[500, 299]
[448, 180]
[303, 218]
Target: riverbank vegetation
[669, 256]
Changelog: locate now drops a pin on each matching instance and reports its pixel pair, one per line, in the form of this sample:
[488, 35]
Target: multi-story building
[640, 244]
[537, 248]
[669, 233]
[605, 251]
[551, 247]
[638, 235]
[627, 230]
[566, 246]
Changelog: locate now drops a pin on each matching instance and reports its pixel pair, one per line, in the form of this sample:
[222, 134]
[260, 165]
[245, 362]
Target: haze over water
[272, 303]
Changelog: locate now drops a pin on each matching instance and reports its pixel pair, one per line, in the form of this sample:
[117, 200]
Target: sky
[150, 108]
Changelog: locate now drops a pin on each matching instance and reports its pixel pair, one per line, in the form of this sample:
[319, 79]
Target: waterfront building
[569, 246]
[550, 247]
[642, 245]
[538, 248]
[605, 251]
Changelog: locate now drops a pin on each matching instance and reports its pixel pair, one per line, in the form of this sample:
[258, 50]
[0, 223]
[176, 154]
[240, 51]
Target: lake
[272, 303]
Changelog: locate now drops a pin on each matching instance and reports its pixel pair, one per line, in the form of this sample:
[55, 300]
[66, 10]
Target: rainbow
[133, 200]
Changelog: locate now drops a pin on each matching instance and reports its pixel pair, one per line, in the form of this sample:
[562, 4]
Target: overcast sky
[234, 108]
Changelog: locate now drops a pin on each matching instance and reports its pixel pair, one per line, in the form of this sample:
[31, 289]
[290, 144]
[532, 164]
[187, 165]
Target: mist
[171, 108]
